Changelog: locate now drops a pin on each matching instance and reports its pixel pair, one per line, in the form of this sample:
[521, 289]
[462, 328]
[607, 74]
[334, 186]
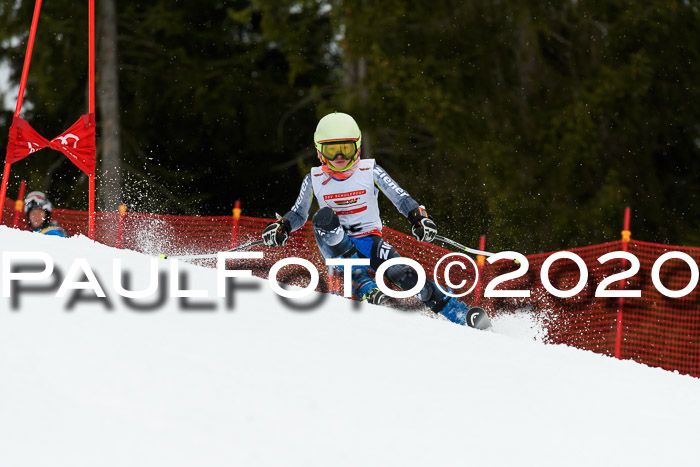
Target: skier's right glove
[423, 227]
[277, 233]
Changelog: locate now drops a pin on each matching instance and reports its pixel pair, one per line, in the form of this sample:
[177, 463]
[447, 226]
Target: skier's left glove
[277, 233]
[422, 225]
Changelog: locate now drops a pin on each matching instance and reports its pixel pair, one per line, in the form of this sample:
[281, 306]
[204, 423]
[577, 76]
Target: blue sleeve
[401, 199]
[300, 211]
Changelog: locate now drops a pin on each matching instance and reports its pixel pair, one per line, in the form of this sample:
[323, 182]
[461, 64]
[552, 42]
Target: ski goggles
[345, 149]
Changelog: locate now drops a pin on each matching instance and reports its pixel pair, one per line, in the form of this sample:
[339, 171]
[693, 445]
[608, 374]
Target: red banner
[77, 142]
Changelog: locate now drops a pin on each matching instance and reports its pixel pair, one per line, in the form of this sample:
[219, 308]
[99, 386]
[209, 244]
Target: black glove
[422, 225]
[277, 233]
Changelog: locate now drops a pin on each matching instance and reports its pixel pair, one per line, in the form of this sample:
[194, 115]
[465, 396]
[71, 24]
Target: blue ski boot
[459, 313]
[365, 288]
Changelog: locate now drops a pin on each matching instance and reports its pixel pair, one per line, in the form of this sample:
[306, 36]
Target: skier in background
[348, 225]
[37, 208]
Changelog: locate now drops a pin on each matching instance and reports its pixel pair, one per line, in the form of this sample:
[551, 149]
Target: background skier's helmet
[338, 134]
[38, 200]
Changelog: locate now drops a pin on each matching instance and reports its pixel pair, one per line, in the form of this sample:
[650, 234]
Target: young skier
[348, 225]
[37, 208]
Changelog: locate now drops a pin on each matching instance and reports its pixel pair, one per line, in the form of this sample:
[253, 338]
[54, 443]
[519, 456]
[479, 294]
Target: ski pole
[468, 250]
[462, 247]
[214, 255]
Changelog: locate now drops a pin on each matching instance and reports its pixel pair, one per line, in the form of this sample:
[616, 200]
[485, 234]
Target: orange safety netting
[654, 329]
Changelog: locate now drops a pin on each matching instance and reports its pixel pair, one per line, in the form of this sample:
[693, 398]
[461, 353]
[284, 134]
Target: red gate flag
[77, 142]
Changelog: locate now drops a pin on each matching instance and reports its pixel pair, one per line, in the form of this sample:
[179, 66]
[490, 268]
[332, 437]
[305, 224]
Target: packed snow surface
[199, 382]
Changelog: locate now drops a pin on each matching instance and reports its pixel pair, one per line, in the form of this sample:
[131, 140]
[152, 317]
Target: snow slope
[262, 384]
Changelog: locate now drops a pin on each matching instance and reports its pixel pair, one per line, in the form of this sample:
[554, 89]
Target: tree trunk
[109, 154]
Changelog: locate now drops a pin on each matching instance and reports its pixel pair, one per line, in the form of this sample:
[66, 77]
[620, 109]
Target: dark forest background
[532, 122]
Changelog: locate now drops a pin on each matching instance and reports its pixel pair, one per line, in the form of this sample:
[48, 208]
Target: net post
[626, 235]
[120, 231]
[91, 207]
[19, 204]
[91, 109]
[236, 219]
[3, 190]
[91, 56]
[480, 260]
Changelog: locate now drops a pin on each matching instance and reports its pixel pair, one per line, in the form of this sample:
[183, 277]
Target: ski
[214, 255]
[477, 318]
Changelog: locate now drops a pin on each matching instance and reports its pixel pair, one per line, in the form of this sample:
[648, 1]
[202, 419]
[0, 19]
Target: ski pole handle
[214, 255]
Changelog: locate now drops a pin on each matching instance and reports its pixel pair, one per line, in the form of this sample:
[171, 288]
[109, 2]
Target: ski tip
[162, 257]
[477, 318]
